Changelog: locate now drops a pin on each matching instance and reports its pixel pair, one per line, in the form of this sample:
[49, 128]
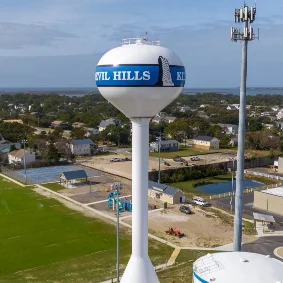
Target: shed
[69, 177]
[165, 193]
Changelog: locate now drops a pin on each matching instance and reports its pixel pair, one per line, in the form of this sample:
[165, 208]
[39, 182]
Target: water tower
[140, 78]
[235, 267]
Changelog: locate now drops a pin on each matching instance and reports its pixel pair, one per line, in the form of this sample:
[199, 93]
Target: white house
[279, 115]
[231, 107]
[20, 156]
[206, 142]
[81, 147]
[105, 123]
[91, 131]
[229, 128]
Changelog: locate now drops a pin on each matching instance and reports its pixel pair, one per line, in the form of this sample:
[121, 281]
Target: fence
[245, 191]
[269, 176]
[17, 176]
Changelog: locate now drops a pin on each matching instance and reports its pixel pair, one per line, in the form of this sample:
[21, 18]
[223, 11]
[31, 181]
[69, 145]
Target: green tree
[12, 148]
[78, 133]
[53, 153]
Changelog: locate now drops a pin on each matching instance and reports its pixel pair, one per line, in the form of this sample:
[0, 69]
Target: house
[60, 124]
[165, 193]
[206, 142]
[229, 128]
[91, 131]
[20, 121]
[278, 165]
[78, 125]
[163, 118]
[184, 109]
[266, 114]
[6, 145]
[248, 107]
[279, 115]
[81, 147]
[105, 123]
[204, 105]
[275, 108]
[21, 156]
[165, 145]
[231, 107]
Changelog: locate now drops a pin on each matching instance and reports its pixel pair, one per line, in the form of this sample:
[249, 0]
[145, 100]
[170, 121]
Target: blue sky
[57, 43]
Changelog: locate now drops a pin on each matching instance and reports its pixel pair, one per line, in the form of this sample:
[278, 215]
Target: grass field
[188, 186]
[54, 187]
[41, 240]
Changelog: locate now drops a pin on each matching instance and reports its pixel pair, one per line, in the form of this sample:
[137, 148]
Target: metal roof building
[165, 193]
[270, 200]
[70, 177]
[82, 142]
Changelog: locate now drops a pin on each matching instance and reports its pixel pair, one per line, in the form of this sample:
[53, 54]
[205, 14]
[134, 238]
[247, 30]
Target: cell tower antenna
[247, 16]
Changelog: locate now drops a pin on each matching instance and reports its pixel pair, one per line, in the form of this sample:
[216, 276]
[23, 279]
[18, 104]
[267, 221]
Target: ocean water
[190, 91]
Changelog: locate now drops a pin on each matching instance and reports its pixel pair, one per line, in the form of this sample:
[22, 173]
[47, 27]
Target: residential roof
[165, 142]
[81, 142]
[108, 122]
[14, 121]
[17, 153]
[205, 138]
[72, 175]
[165, 189]
[232, 107]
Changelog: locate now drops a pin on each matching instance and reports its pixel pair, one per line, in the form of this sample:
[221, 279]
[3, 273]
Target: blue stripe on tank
[139, 76]
[200, 279]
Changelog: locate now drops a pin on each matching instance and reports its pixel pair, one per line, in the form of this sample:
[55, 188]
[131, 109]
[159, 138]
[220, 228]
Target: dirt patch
[200, 230]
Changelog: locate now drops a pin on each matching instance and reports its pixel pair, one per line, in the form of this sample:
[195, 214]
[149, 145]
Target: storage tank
[237, 267]
[140, 78]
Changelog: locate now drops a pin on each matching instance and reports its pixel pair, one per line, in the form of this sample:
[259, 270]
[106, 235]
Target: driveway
[264, 245]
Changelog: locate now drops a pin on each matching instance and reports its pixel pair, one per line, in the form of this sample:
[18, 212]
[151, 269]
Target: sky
[57, 43]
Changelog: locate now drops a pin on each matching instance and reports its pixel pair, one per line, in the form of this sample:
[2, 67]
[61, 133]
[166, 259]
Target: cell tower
[245, 15]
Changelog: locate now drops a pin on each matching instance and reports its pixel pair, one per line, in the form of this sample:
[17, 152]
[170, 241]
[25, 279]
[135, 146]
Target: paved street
[264, 245]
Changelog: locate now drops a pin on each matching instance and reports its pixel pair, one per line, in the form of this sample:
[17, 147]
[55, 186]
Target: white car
[195, 158]
[200, 201]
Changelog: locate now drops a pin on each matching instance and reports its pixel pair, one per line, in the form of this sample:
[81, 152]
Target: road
[248, 208]
[264, 245]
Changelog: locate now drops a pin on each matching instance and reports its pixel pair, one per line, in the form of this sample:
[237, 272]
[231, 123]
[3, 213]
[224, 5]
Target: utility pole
[245, 15]
[117, 189]
[159, 144]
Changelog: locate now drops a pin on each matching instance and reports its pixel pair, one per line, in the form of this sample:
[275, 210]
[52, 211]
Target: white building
[105, 123]
[81, 147]
[279, 115]
[206, 142]
[20, 156]
[229, 128]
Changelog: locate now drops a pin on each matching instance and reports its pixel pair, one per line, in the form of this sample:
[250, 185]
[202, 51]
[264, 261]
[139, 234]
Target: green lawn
[188, 186]
[54, 187]
[41, 240]
[182, 272]
[182, 152]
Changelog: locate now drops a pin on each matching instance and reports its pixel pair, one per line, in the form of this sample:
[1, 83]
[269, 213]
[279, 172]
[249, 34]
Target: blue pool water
[219, 188]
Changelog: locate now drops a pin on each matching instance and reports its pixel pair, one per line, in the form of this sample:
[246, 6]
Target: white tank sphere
[140, 78]
[237, 267]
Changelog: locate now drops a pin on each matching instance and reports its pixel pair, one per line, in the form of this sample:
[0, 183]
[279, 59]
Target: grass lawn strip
[41, 240]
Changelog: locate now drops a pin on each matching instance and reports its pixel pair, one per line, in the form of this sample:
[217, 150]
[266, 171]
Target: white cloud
[15, 36]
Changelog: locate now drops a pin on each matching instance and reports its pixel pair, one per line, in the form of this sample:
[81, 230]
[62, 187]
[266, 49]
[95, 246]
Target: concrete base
[139, 270]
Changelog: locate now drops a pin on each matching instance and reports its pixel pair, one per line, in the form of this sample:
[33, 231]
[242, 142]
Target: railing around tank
[139, 40]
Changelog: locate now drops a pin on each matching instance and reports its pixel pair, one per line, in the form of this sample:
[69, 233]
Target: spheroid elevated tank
[140, 78]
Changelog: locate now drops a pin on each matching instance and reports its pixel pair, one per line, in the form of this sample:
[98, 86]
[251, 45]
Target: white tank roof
[237, 267]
